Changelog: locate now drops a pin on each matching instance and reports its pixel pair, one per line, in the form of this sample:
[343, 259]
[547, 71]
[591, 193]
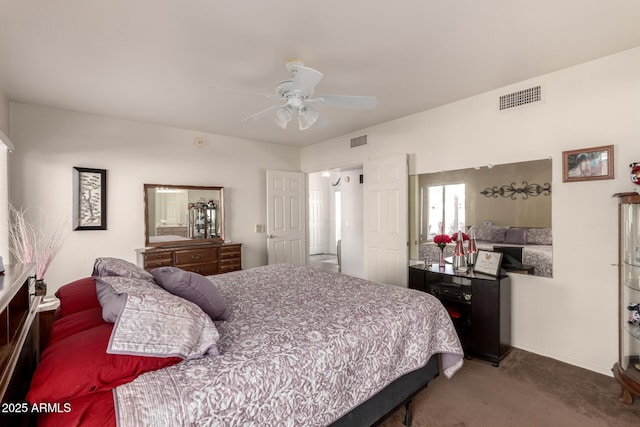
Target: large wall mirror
[179, 214]
[508, 205]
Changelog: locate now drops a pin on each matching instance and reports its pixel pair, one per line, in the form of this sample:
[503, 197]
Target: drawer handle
[196, 257]
[197, 270]
[159, 255]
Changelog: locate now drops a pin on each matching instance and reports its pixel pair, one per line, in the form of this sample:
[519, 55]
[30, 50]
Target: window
[443, 210]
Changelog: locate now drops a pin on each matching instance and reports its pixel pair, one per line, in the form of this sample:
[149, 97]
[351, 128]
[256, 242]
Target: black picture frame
[89, 199]
[488, 262]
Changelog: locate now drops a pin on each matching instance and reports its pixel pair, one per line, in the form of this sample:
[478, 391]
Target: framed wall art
[89, 199]
[587, 164]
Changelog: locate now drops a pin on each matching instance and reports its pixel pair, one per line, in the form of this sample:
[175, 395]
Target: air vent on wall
[359, 140]
[521, 97]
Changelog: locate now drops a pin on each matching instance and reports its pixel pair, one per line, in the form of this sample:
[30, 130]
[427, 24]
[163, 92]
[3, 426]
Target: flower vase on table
[441, 262]
[441, 240]
[40, 287]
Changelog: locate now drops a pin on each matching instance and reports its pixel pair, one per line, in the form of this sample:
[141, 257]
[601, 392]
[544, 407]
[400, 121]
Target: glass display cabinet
[203, 220]
[627, 369]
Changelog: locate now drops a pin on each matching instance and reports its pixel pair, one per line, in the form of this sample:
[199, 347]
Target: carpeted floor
[526, 390]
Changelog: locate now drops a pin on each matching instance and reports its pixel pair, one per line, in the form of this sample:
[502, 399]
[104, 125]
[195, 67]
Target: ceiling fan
[297, 94]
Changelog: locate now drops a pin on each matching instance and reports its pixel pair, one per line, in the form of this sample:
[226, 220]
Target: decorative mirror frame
[187, 241]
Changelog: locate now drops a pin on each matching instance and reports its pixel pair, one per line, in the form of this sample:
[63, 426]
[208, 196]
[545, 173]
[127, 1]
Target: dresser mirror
[183, 215]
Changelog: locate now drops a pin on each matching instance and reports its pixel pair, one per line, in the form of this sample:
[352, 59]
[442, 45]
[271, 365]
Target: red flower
[441, 240]
[454, 237]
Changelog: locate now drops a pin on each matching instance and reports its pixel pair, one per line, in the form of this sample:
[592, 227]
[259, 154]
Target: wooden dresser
[205, 258]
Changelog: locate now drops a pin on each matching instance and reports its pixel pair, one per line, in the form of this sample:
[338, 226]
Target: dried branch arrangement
[36, 239]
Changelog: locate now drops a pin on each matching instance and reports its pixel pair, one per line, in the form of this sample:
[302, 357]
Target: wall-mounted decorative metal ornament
[511, 191]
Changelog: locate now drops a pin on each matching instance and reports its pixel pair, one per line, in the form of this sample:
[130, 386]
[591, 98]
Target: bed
[536, 244]
[278, 345]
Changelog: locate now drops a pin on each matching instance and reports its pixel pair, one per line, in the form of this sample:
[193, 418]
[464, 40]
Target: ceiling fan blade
[305, 80]
[249, 92]
[259, 114]
[345, 101]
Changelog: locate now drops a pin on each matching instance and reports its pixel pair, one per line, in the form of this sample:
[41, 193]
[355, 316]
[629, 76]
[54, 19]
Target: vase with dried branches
[34, 238]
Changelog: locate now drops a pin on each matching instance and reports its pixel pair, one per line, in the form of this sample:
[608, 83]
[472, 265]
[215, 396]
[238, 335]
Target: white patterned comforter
[302, 347]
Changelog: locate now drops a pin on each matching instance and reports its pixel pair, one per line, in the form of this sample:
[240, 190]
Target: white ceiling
[159, 61]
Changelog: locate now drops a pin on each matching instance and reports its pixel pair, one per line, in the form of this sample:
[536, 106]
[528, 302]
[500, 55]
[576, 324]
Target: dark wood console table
[19, 342]
[479, 306]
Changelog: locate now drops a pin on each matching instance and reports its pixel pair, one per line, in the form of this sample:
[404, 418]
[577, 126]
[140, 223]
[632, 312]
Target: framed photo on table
[587, 164]
[488, 262]
[89, 199]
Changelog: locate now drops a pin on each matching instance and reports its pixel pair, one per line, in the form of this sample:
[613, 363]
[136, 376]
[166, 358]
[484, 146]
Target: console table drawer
[192, 256]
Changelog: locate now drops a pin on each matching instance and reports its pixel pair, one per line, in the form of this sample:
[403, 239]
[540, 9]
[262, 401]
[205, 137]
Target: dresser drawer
[193, 256]
[227, 265]
[229, 268]
[230, 258]
[205, 259]
[230, 251]
[206, 269]
[158, 259]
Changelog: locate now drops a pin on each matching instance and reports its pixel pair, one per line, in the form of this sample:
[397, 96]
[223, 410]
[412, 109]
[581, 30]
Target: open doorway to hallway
[336, 220]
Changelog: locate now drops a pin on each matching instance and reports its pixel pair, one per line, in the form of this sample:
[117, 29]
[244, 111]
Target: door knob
[270, 236]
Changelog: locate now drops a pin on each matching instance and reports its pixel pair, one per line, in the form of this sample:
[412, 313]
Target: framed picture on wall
[587, 164]
[89, 199]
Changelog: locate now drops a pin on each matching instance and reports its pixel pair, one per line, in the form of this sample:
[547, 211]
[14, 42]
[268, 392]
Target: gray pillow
[491, 233]
[539, 236]
[516, 236]
[193, 287]
[112, 303]
[483, 232]
[119, 267]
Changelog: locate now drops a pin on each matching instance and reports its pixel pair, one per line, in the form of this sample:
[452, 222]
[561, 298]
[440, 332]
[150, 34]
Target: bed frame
[397, 394]
[20, 351]
[19, 342]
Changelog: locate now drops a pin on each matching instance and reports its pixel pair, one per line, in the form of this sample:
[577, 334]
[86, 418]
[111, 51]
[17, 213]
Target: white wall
[50, 142]
[573, 316]
[4, 113]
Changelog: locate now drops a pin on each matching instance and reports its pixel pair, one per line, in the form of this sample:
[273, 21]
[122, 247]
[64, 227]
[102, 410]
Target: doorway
[336, 220]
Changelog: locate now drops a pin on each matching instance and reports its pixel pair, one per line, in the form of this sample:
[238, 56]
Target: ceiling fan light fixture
[297, 91]
[283, 116]
[307, 117]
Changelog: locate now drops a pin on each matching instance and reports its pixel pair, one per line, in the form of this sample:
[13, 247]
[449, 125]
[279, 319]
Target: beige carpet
[526, 390]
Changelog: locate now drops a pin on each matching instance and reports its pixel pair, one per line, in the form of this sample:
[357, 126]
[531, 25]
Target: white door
[286, 217]
[385, 220]
[317, 226]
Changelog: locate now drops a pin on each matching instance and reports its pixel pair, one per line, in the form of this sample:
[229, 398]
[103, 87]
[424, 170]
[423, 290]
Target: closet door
[286, 217]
